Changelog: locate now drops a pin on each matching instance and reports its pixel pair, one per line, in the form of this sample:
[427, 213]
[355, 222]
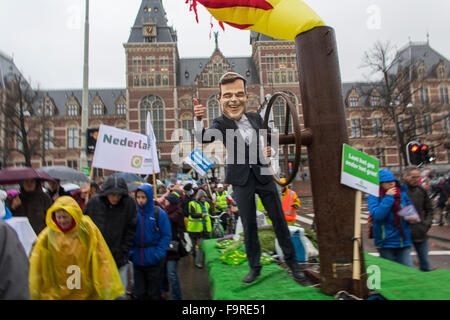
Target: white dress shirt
[244, 126]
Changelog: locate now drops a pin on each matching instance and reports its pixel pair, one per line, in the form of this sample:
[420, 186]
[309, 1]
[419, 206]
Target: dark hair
[408, 170]
[231, 77]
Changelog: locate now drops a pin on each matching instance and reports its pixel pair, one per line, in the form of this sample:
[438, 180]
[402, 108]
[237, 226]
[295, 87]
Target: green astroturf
[397, 282]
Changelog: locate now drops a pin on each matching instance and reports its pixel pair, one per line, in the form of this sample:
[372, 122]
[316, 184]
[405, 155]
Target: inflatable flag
[280, 19]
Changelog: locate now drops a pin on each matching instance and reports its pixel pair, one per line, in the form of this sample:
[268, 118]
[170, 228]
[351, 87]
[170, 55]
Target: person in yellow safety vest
[199, 223]
[220, 198]
[221, 204]
[291, 203]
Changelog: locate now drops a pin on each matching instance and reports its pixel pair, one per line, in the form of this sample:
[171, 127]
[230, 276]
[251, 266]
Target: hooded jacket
[385, 234]
[34, 206]
[152, 238]
[117, 223]
[72, 265]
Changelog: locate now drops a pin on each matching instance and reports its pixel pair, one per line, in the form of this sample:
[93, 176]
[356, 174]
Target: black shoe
[252, 275]
[296, 272]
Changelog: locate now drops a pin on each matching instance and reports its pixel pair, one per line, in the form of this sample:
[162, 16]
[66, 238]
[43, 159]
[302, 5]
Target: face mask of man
[233, 99]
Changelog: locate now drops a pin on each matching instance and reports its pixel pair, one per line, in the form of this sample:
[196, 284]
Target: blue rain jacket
[384, 232]
[150, 245]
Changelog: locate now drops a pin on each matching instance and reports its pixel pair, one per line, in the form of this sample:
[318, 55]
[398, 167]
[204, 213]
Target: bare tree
[16, 108]
[24, 131]
[395, 88]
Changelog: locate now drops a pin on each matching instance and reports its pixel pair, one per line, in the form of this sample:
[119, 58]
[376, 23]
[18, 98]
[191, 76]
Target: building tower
[151, 82]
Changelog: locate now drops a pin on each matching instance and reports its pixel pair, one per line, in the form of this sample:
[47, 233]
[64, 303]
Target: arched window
[213, 109]
[155, 105]
[279, 113]
[443, 95]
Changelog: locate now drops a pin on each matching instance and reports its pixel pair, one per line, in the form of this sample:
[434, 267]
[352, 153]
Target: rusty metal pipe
[306, 138]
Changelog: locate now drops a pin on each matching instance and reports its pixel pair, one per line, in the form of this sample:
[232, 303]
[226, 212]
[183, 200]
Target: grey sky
[46, 36]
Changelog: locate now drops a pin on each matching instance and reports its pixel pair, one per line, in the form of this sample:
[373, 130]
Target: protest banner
[359, 171]
[125, 151]
[199, 162]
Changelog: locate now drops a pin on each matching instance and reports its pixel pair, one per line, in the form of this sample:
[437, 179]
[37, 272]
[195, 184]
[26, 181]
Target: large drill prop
[334, 203]
[324, 136]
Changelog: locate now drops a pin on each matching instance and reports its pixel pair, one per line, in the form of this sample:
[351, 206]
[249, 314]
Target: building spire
[216, 37]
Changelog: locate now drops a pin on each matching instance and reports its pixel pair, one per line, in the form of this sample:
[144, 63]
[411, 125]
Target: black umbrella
[14, 175]
[128, 177]
[132, 186]
[65, 173]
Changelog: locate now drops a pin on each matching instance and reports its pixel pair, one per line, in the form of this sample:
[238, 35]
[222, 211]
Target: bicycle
[217, 230]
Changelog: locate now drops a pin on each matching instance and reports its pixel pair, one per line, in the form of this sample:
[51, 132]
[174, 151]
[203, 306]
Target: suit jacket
[241, 158]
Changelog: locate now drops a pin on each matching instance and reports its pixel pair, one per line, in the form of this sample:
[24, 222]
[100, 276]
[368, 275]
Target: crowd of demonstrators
[121, 238]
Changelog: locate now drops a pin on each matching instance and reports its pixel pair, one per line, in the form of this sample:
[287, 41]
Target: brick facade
[158, 80]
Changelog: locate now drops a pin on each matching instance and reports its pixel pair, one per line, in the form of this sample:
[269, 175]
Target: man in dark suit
[247, 169]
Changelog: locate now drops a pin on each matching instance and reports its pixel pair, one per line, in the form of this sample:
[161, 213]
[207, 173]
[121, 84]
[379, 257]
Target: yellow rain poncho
[72, 265]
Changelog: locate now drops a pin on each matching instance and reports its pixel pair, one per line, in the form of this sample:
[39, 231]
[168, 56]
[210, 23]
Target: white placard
[125, 151]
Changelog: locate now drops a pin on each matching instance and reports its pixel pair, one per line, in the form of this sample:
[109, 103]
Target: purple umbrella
[14, 175]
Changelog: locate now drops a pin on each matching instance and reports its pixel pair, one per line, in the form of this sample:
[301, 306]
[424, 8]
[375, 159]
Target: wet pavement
[194, 281]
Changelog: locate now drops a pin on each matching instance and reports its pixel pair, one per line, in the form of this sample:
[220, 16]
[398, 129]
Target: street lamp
[85, 99]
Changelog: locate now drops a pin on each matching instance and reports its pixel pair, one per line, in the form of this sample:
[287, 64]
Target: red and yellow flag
[280, 19]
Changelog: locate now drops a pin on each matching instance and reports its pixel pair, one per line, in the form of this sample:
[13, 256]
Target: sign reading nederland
[360, 171]
[199, 162]
[123, 150]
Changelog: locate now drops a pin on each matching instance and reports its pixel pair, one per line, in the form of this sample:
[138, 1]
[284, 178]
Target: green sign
[86, 171]
[359, 170]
